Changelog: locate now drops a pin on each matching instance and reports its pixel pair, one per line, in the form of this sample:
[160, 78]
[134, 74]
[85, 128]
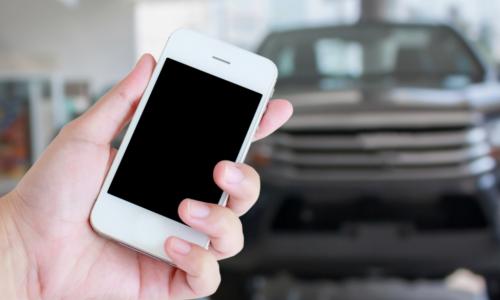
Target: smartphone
[202, 105]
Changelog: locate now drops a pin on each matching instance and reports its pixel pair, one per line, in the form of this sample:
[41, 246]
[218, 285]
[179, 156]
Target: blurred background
[384, 185]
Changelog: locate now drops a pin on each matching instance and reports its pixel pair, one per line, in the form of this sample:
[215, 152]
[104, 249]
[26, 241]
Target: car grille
[381, 145]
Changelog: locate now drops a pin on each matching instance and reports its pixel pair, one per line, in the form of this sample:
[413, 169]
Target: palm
[103, 267]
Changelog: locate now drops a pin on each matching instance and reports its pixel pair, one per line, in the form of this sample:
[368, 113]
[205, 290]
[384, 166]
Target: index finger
[277, 113]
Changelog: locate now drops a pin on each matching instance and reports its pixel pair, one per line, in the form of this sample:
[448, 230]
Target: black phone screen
[191, 121]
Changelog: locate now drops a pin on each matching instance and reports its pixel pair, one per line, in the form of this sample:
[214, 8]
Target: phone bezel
[144, 230]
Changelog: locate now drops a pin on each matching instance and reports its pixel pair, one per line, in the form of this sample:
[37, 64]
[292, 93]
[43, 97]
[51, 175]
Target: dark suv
[388, 166]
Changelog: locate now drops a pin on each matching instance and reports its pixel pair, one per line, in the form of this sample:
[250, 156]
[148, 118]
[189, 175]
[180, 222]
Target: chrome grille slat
[381, 140]
[473, 168]
[382, 158]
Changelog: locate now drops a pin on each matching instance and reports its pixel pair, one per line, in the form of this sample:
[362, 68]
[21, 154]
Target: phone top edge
[184, 46]
[196, 35]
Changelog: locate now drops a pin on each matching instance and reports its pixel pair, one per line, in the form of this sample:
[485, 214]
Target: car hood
[398, 107]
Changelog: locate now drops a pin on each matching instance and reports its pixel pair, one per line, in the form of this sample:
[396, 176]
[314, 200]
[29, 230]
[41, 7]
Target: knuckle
[223, 224]
[122, 94]
[207, 274]
[239, 238]
[257, 180]
[69, 127]
[215, 285]
[251, 171]
[251, 189]
[256, 175]
[240, 209]
[239, 226]
[214, 282]
[202, 268]
[230, 240]
[72, 128]
[240, 245]
[257, 192]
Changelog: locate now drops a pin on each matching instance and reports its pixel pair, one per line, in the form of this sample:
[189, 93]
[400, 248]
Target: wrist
[14, 263]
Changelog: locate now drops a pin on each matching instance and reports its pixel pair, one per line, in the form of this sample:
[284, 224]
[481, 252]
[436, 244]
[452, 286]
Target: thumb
[103, 121]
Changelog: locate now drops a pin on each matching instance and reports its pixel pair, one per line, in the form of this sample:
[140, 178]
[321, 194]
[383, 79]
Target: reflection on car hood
[477, 97]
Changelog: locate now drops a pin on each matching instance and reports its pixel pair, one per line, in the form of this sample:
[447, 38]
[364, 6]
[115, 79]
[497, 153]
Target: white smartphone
[203, 105]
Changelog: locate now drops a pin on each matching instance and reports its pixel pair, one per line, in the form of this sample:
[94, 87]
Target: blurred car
[388, 166]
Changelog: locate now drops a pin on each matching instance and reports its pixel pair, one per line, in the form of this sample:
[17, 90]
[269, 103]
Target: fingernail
[198, 210]
[180, 247]
[233, 174]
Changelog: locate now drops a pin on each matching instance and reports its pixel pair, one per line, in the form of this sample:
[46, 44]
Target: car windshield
[340, 57]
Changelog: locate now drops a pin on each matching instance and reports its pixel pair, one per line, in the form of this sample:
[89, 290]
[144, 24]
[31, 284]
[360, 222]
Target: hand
[48, 249]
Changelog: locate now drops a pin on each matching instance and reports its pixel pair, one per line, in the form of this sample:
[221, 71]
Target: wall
[155, 21]
[93, 40]
[242, 22]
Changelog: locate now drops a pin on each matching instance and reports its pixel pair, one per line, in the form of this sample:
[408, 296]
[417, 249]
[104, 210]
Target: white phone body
[144, 230]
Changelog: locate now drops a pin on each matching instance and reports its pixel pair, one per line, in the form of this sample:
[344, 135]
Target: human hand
[48, 249]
